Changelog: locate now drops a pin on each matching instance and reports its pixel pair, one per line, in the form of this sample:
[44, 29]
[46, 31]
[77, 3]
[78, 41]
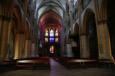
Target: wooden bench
[71, 62]
[34, 62]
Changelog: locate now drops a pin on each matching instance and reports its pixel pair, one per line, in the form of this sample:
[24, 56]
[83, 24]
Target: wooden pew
[71, 62]
[33, 62]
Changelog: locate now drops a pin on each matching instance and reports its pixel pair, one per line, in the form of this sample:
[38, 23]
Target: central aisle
[57, 69]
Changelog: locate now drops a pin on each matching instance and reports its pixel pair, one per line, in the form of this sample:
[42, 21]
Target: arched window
[51, 49]
[56, 39]
[51, 33]
[46, 40]
[46, 33]
[56, 33]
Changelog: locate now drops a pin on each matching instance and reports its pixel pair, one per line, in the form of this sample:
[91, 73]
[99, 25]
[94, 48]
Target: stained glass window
[56, 39]
[51, 39]
[46, 39]
[51, 33]
[56, 33]
[46, 33]
[52, 49]
[51, 36]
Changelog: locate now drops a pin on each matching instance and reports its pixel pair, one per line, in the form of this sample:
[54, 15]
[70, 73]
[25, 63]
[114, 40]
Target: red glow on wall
[50, 20]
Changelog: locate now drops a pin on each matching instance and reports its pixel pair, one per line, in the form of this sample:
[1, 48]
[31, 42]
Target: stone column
[11, 23]
[69, 50]
[84, 53]
[22, 45]
[19, 46]
[26, 48]
[0, 27]
[5, 19]
[4, 39]
[36, 48]
[33, 50]
[104, 45]
[0, 19]
[16, 53]
[29, 48]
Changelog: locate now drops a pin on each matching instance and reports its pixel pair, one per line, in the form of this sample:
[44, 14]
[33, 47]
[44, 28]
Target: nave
[57, 37]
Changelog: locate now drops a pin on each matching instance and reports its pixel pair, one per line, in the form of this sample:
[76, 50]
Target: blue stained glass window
[51, 39]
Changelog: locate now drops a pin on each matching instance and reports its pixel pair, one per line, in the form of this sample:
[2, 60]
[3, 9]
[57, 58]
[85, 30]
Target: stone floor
[59, 70]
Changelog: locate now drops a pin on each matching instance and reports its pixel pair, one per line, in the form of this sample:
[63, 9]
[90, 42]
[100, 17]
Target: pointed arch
[90, 30]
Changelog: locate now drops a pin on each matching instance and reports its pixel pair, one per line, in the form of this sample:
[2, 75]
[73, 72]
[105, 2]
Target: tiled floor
[59, 70]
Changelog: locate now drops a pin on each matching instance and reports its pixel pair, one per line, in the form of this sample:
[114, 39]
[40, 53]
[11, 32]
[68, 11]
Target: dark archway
[91, 32]
[111, 23]
[76, 40]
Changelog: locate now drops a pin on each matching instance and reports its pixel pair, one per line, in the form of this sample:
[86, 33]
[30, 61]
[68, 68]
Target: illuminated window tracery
[56, 33]
[46, 33]
[51, 35]
[56, 39]
[51, 39]
[51, 49]
[46, 40]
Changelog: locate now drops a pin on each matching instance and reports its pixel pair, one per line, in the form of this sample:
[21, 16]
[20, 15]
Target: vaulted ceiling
[44, 6]
[54, 12]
